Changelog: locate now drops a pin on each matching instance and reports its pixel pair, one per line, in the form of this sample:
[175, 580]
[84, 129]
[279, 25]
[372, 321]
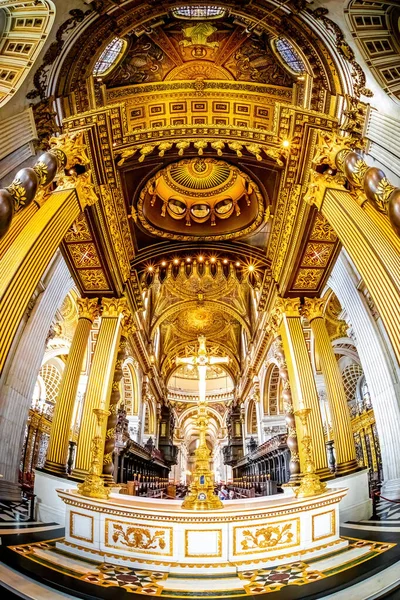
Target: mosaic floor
[248, 583]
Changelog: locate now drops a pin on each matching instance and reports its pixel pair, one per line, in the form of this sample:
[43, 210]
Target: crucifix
[201, 495]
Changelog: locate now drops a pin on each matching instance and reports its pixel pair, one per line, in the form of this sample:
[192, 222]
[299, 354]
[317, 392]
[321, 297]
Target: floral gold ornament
[311, 484]
[267, 537]
[73, 145]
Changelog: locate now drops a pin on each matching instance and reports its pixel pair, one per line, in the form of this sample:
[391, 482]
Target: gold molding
[71, 527]
[333, 525]
[208, 555]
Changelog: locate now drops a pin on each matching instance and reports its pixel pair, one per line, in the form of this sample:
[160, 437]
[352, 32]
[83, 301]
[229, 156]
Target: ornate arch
[130, 387]
[192, 410]
[251, 418]
[272, 389]
[211, 304]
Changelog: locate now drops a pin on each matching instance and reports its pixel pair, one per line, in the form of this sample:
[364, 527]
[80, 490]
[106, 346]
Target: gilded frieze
[254, 540]
[139, 538]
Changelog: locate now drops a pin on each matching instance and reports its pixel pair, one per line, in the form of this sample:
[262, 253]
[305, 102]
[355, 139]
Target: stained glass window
[109, 56]
[289, 56]
[196, 11]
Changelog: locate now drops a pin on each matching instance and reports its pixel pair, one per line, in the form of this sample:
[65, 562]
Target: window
[392, 74]
[6, 75]
[18, 48]
[23, 33]
[28, 23]
[109, 57]
[197, 11]
[289, 56]
[52, 379]
[368, 21]
[378, 46]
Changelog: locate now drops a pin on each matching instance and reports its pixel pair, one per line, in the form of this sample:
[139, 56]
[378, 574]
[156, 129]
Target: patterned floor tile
[151, 583]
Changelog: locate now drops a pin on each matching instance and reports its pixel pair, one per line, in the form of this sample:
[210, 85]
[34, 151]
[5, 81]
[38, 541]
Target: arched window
[52, 379]
[289, 57]
[24, 28]
[110, 57]
[196, 11]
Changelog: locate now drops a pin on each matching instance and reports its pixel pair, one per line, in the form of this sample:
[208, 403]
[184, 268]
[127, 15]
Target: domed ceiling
[202, 198]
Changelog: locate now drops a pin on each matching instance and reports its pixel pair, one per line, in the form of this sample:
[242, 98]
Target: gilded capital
[328, 146]
[113, 307]
[88, 308]
[317, 186]
[313, 308]
[73, 146]
[83, 186]
[288, 306]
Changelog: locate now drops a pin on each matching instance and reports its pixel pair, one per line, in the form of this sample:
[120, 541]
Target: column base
[79, 474]
[109, 480]
[53, 467]
[324, 473]
[346, 468]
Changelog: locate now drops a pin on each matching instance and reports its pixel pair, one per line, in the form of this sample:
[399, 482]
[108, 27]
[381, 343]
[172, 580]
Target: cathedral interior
[200, 299]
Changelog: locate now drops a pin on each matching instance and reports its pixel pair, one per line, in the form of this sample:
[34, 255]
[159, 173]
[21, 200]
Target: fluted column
[341, 423]
[29, 255]
[100, 379]
[301, 376]
[20, 374]
[370, 243]
[57, 452]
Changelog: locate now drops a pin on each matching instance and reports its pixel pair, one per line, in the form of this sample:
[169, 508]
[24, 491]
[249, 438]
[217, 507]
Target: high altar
[161, 535]
[203, 532]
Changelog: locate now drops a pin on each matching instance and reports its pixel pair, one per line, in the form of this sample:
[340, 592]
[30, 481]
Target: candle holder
[311, 484]
[93, 485]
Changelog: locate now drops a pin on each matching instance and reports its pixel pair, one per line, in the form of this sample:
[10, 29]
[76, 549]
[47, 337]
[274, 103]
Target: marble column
[100, 379]
[341, 423]
[380, 374]
[302, 382]
[21, 370]
[57, 453]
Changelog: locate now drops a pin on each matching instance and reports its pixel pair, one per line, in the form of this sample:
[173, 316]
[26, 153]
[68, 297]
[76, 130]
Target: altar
[160, 535]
